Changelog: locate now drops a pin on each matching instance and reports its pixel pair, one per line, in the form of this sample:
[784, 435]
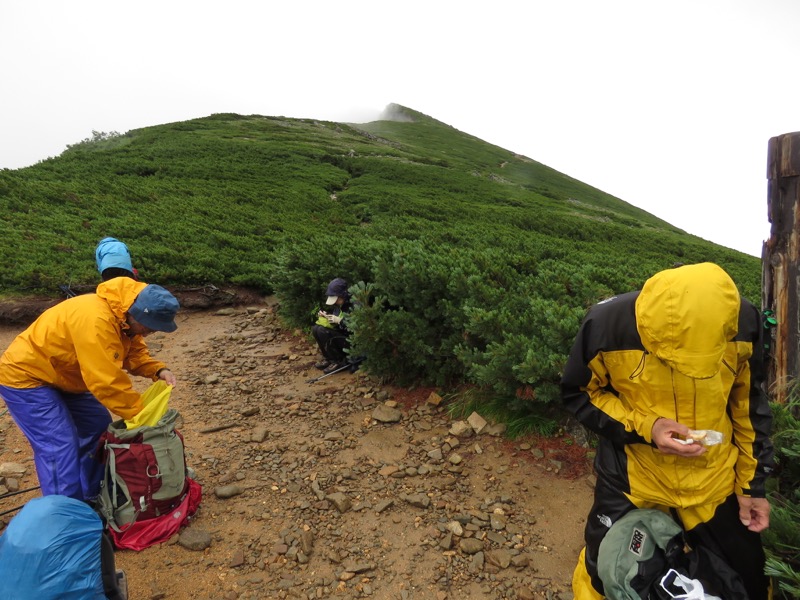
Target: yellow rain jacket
[82, 345]
[686, 348]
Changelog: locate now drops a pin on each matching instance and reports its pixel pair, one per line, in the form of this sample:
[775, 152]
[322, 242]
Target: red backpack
[146, 494]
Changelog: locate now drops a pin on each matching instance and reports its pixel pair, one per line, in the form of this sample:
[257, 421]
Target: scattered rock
[446, 542]
[194, 539]
[358, 567]
[436, 454]
[460, 428]
[525, 593]
[228, 491]
[259, 434]
[455, 527]
[496, 429]
[386, 414]
[388, 470]
[340, 501]
[476, 563]
[10, 469]
[434, 399]
[470, 545]
[418, 500]
[237, 560]
[499, 557]
[477, 422]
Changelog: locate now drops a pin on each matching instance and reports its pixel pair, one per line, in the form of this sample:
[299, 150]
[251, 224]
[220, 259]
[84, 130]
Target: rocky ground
[342, 488]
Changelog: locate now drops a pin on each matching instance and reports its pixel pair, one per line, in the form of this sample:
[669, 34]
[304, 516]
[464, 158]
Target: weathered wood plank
[781, 261]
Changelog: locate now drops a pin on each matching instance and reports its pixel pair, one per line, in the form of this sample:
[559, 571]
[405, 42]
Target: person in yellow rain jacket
[646, 367]
[63, 374]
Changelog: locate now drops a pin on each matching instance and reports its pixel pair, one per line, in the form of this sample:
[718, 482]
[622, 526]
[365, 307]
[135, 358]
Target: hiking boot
[332, 367]
[323, 364]
[122, 584]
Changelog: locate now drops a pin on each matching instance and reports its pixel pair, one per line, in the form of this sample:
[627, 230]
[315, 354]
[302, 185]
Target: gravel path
[344, 488]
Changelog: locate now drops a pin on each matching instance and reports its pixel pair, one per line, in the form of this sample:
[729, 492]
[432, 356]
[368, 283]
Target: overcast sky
[666, 104]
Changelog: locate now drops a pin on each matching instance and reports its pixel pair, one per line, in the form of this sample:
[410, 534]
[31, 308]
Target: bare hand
[754, 513]
[168, 377]
[665, 432]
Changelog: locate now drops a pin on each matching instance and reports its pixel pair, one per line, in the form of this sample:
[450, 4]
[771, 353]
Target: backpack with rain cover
[146, 494]
[55, 549]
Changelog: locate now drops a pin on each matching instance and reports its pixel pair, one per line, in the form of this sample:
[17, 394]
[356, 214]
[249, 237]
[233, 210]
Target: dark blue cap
[336, 289]
[155, 308]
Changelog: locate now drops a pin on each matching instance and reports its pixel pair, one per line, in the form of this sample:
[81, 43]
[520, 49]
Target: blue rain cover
[51, 550]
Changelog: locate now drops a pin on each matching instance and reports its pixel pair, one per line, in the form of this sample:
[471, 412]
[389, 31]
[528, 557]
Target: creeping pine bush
[410, 326]
[518, 341]
[782, 538]
[432, 312]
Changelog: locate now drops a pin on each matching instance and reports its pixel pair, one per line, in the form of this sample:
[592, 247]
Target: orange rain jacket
[81, 345]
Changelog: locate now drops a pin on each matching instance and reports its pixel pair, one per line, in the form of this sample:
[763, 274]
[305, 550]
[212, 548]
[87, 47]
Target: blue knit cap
[110, 253]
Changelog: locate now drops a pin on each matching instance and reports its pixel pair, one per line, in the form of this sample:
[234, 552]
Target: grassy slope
[212, 200]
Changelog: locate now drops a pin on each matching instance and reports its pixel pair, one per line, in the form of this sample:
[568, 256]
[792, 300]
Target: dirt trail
[343, 488]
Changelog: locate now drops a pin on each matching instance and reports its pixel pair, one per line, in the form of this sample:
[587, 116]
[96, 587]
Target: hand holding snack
[669, 437]
[706, 437]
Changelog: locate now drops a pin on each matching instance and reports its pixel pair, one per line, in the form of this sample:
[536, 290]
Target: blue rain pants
[63, 430]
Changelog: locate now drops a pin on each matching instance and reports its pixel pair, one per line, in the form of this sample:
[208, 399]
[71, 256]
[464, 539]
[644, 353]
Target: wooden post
[781, 261]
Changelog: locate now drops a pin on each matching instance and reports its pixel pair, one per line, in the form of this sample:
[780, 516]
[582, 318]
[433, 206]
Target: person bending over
[63, 374]
[682, 354]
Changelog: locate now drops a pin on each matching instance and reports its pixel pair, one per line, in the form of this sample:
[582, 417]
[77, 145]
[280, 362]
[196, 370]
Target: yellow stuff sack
[155, 401]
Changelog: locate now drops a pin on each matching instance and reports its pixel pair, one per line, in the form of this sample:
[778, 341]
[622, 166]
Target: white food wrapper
[707, 437]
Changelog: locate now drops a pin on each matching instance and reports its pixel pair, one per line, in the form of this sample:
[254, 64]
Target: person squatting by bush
[330, 330]
[62, 375]
[684, 353]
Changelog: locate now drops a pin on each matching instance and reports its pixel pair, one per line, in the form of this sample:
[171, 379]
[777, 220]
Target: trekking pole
[9, 494]
[347, 366]
[67, 291]
[353, 363]
[10, 510]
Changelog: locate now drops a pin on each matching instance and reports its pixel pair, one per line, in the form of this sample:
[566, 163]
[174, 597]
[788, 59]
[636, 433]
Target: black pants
[332, 343]
[723, 538]
[726, 537]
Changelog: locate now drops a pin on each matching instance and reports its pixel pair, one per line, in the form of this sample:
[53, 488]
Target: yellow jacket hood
[120, 293]
[686, 316]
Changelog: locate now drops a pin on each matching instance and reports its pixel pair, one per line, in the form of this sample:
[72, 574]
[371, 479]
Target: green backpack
[636, 552]
[644, 546]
